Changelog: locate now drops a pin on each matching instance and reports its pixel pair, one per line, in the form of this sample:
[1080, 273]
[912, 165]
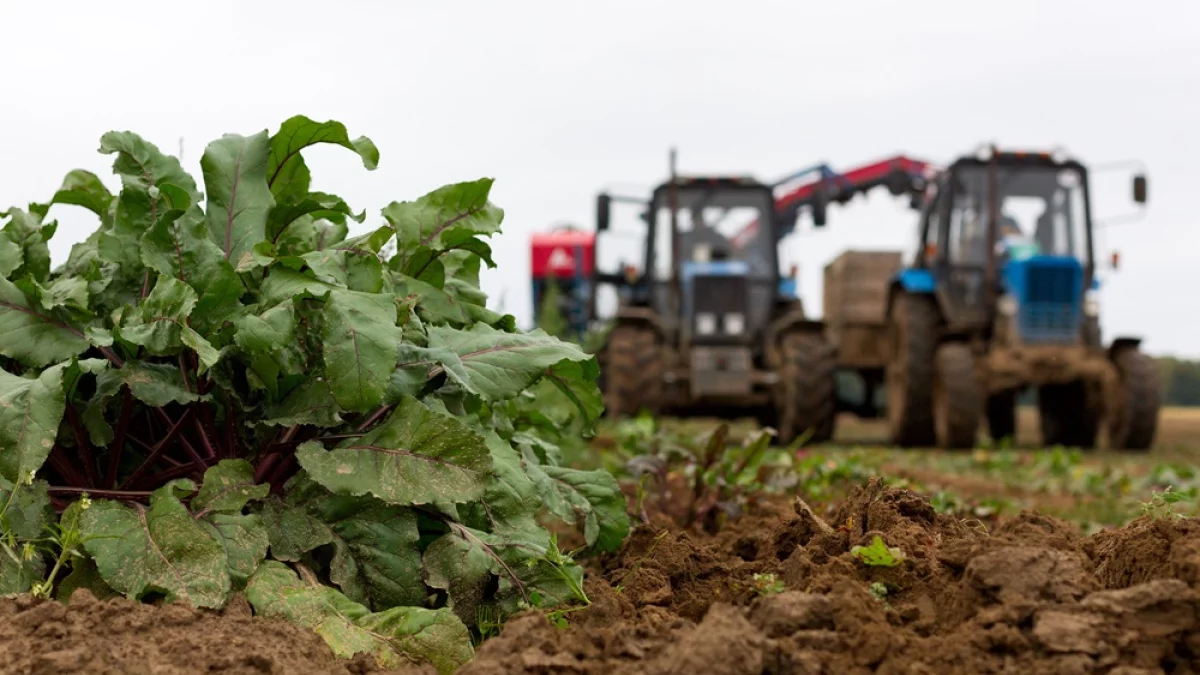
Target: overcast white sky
[557, 99]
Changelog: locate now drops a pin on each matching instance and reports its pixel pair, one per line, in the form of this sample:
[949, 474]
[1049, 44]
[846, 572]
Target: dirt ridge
[1031, 596]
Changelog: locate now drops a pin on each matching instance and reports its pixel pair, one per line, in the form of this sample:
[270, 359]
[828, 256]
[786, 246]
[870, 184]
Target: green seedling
[1162, 504]
[878, 554]
[768, 584]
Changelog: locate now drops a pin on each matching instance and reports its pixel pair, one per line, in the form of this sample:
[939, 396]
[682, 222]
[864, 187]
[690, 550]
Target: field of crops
[235, 439]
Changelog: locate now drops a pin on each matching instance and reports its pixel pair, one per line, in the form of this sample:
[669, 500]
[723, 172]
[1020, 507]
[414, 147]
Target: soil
[1030, 596]
[121, 637]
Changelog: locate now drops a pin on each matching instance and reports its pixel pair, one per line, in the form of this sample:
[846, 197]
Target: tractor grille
[720, 296]
[1052, 307]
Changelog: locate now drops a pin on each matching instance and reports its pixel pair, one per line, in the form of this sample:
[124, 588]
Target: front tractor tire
[806, 396]
[1139, 400]
[633, 377]
[912, 343]
[958, 401]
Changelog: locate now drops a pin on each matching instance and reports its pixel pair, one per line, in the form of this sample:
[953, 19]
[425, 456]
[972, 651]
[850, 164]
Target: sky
[557, 100]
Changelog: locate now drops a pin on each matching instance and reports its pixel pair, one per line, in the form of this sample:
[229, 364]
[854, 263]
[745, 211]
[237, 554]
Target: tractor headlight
[1091, 307]
[735, 323]
[706, 323]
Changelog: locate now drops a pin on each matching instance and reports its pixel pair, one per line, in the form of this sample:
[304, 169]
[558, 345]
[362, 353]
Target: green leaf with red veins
[360, 337]
[501, 365]
[31, 410]
[151, 184]
[33, 335]
[287, 173]
[83, 188]
[311, 206]
[310, 403]
[398, 637]
[435, 217]
[417, 456]
[228, 487]
[179, 245]
[239, 199]
[140, 550]
[27, 232]
[160, 323]
[375, 559]
[11, 255]
[355, 269]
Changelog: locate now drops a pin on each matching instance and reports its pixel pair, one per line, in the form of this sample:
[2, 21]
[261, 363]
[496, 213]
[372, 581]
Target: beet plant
[224, 392]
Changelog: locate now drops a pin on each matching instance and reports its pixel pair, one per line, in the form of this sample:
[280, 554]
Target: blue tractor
[708, 326]
[999, 299]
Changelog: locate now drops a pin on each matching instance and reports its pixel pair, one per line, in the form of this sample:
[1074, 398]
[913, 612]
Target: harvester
[705, 326]
[1000, 298]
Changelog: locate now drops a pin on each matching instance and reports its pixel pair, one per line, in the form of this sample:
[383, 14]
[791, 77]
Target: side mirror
[819, 206]
[603, 211]
[1139, 189]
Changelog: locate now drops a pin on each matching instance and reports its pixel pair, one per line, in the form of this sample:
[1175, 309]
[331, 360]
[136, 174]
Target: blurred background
[558, 100]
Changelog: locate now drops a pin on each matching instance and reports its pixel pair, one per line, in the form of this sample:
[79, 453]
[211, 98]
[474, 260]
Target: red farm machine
[562, 268]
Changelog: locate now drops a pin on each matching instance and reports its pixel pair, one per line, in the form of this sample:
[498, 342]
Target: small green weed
[1162, 503]
[768, 584]
[878, 554]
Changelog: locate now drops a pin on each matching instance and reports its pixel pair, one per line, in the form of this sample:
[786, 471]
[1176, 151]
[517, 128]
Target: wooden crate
[856, 292]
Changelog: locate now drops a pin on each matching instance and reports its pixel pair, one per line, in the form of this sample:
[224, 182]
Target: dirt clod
[118, 636]
[1032, 596]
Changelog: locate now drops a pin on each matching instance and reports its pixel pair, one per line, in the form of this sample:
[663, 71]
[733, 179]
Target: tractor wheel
[912, 337]
[1069, 416]
[634, 372]
[806, 397]
[1136, 421]
[957, 398]
[1002, 416]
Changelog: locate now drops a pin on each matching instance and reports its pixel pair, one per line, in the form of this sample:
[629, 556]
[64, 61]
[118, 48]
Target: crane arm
[900, 174]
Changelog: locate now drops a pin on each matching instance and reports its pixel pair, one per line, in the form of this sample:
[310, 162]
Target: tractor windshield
[1042, 211]
[707, 218]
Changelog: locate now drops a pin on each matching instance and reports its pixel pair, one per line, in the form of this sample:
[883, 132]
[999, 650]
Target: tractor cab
[1008, 235]
[708, 325]
[725, 292]
[998, 301]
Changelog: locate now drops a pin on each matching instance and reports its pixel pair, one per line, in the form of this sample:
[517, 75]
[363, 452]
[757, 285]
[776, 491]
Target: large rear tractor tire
[958, 400]
[1069, 416]
[912, 343]
[806, 396]
[1140, 400]
[633, 375]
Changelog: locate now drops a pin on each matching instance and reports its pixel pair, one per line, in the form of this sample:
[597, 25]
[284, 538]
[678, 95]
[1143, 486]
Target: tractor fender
[914, 280]
[1122, 343]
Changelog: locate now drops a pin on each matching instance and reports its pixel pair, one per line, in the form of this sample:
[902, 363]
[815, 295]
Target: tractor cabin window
[1042, 210]
[716, 225]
